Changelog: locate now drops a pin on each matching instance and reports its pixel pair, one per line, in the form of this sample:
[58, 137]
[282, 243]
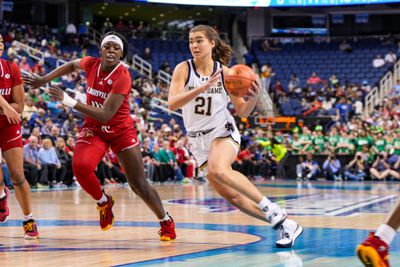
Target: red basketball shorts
[118, 138]
[10, 136]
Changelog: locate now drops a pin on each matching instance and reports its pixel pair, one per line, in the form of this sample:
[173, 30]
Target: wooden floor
[335, 217]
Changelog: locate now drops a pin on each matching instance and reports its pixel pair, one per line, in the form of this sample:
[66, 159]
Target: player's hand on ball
[255, 88]
[33, 80]
[57, 92]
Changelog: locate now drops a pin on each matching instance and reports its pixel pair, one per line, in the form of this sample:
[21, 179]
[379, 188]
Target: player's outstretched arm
[177, 96]
[102, 114]
[36, 81]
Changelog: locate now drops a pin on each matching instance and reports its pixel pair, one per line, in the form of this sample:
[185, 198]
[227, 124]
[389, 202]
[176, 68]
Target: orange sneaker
[106, 214]
[373, 252]
[30, 229]
[167, 231]
[4, 211]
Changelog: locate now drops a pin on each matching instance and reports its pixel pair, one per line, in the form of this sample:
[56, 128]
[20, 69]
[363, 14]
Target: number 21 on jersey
[203, 105]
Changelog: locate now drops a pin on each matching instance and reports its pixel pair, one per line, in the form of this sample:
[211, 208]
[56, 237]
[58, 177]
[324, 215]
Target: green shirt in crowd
[319, 143]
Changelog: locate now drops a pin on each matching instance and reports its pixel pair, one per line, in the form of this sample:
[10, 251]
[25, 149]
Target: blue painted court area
[316, 247]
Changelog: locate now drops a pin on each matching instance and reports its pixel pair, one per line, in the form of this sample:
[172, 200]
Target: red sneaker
[167, 231]
[4, 211]
[373, 252]
[106, 214]
[30, 229]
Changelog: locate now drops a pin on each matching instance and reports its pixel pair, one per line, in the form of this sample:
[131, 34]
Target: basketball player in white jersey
[197, 87]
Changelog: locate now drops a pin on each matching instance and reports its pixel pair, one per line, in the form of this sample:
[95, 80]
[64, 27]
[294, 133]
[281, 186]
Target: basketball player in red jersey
[12, 101]
[107, 123]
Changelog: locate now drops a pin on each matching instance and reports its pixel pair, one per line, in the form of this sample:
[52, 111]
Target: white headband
[114, 39]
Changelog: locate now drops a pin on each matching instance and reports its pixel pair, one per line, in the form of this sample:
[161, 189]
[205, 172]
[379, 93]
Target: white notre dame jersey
[207, 117]
[209, 109]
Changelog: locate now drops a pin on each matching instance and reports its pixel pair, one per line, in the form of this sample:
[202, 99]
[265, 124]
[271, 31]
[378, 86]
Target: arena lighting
[273, 3]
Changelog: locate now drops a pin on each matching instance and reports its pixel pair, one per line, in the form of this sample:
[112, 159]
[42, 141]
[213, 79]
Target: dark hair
[221, 52]
[123, 39]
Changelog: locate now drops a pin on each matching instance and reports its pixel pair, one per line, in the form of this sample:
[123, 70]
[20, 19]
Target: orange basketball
[238, 80]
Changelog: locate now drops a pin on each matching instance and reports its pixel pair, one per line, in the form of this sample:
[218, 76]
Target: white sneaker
[274, 214]
[288, 232]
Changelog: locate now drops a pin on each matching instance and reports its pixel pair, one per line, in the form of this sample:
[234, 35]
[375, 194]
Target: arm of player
[36, 81]
[7, 110]
[245, 107]
[102, 114]
[18, 98]
[177, 97]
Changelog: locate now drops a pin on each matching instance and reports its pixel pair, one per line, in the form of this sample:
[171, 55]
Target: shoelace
[284, 234]
[29, 227]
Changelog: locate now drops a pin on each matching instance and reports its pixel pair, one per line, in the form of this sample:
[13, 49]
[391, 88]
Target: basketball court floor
[335, 217]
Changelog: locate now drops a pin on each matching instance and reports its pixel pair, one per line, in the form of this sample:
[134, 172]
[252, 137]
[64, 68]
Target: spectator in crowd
[334, 81]
[327, 106]
[343, 110]
[38, 119]
[70, 29]
[314, 79]
[147, 55]
[378, 62]
[104, 172]
[31, 161]
[332, 168]
[345, 47]
[266, 76]
[148, 86]
[64, 173]
[307, 169]
[294, 81]
[54, 133]
[390, 57]
[280, 154]
[40, 103]
[149, 162]
[365, 87]
[382, 169]
[357, 168]
[29, 109]
[345, 146]
[395, 93]
[80, 94]
[24, 65]
[108, 25]
[54, 106]
[167, 157]
[49, 162]
[319, 141]
[69, 124]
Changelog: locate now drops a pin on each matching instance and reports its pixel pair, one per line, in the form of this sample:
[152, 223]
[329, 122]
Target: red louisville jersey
[100, 84]
[10, 76]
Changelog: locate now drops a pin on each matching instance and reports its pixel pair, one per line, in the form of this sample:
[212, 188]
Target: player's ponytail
[221, 52]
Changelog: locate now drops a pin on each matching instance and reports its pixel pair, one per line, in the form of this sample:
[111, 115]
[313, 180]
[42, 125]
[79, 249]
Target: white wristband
[69, 101]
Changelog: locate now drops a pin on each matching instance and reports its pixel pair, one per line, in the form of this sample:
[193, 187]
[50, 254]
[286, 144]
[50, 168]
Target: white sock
[103, 199]
[3, 193]
[28, 217]
[166, 218]
[288, 223]
[386, 233]
[263, 203]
